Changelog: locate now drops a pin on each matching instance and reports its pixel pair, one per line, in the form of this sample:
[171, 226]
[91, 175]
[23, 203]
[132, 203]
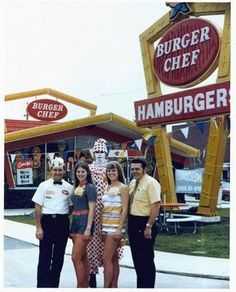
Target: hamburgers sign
[187, 54]
[191, 104]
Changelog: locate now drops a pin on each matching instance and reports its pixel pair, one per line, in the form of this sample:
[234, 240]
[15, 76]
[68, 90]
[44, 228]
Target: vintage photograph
[117, 130]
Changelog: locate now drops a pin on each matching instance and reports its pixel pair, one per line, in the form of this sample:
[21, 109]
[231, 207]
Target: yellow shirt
[147, 193]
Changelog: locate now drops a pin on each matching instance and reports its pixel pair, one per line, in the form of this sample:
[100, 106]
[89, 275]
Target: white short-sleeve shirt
[54, 198]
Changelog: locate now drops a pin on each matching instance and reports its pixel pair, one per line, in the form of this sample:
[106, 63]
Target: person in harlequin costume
[98, 170]
[95, 246]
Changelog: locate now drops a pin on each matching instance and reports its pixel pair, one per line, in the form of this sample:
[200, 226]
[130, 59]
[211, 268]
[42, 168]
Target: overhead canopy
[182, 149]
[110, 126]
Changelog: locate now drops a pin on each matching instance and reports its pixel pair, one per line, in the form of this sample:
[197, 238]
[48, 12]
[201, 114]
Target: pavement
[166, 263]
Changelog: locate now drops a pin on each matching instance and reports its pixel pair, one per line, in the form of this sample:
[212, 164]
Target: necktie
[132, 194]
[57, 182]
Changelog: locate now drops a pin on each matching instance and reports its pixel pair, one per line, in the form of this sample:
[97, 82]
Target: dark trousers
[51, 250]
[142, 251]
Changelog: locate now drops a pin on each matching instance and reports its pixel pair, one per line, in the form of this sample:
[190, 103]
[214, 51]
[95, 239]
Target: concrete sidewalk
[171, 263]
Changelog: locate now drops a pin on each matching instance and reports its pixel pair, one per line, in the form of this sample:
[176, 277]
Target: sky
[87, 49]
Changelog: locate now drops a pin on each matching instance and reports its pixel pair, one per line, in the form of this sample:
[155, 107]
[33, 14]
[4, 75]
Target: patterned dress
[95, 247]
[112, 208]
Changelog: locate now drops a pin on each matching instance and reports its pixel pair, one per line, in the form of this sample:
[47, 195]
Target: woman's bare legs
[86, 268]
[110, 251]
[116, 271]
[80, 261]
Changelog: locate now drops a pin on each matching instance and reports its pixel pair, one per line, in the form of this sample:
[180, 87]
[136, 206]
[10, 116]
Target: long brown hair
[116, 165]
[85, 166]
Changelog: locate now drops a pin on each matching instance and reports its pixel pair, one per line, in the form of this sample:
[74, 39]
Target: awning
[109, 126]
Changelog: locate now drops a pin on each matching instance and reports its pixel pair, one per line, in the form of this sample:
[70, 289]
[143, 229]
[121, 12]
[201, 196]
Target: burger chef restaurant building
[30, 145]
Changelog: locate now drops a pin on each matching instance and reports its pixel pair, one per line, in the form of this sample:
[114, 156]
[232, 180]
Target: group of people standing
[100, 202]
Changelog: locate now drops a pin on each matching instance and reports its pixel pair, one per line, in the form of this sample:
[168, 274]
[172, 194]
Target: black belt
[54, 216]
[138, 217]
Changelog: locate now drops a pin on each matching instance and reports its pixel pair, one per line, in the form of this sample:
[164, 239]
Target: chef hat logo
[100, 146]
[57, 162]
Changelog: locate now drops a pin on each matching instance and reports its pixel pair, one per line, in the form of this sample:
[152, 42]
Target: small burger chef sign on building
[47, 110]
[185, 56]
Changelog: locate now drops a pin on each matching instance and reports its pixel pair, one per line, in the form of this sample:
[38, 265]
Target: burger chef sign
[187, 54]
[46, 110]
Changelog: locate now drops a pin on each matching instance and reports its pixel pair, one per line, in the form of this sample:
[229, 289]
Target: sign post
[182, 53]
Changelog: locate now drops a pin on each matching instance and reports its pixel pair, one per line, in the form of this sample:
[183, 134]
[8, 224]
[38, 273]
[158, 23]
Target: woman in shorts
[83, 200]
[113, 216]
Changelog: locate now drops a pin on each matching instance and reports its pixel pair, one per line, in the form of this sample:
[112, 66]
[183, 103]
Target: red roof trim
[17, 125]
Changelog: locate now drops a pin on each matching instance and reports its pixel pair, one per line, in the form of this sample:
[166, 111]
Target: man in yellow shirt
[145, 200]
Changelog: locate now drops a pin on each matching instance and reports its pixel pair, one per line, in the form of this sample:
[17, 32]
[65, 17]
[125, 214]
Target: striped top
[111, 210]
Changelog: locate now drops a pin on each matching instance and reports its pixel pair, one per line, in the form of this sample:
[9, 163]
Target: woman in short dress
[114, 212]
[83, 199]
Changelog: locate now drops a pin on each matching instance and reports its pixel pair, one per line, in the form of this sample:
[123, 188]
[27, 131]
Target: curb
[185, 274]
[193, 275]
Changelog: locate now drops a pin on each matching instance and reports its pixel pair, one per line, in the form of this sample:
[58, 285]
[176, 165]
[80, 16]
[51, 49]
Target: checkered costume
[95, 247]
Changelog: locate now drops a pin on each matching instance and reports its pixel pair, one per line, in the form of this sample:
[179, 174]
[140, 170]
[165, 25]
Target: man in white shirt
[52, 207]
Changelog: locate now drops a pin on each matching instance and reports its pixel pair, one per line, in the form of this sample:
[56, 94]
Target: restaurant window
[28, 166]
[85, 142]
[84, 148]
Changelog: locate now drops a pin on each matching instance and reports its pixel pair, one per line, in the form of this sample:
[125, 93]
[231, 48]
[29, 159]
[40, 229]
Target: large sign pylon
[219, 126]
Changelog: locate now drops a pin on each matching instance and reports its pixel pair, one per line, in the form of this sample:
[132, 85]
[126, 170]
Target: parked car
[225, 191]
[226, 195]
